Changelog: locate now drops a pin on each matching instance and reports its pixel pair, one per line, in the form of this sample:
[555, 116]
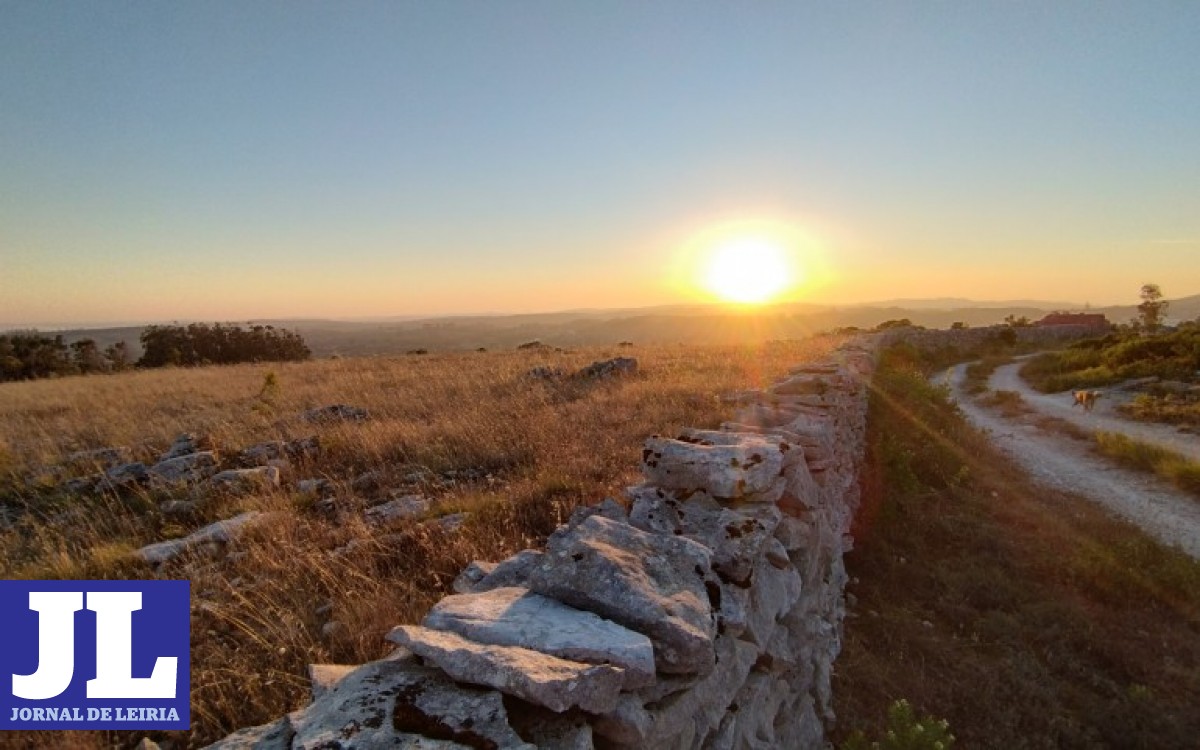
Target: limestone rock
[314, 486]
[774, 592]
[736, 536]
[517, 617]
[751, 467]
[407, 506]
[303, 448]
[652, 584]
[692, 712]
[124, 477]
[513, 571]
[274, 736]
[607, 508]
[245, 480]
[261, 453]
[471, 576]
[618, 367]
[324, 677]
[185, 445]
[552, 731]
[189, 467]
[448, 524]
[557, 684]
[219, 532]
[395, 703]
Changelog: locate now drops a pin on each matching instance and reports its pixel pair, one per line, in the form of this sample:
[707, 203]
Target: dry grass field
[473, 432]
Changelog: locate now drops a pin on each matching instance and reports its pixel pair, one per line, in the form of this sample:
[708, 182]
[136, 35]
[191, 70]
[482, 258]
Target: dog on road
[1086, 399]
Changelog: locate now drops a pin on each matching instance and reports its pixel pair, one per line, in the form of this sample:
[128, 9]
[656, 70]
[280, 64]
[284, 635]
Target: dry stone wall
[702, 611]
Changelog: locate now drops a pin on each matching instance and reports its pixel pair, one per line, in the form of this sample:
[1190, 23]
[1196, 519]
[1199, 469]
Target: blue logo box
[95, 655]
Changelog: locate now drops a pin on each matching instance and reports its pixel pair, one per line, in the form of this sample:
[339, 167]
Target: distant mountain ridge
[662, 324]
[961, 303]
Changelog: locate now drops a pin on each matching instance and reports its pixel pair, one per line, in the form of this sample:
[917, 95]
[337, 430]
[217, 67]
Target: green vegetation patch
[1136, 454]
[1117, 357]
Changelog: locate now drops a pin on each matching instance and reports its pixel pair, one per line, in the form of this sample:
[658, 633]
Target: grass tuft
[1137, 454]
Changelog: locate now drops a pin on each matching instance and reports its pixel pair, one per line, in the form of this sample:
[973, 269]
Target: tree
[202, 343]
[1153, 307]
[118, 355]
[1013, 321]
[86, 356]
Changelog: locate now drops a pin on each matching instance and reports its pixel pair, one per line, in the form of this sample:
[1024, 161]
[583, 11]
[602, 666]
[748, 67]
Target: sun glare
[749, 270]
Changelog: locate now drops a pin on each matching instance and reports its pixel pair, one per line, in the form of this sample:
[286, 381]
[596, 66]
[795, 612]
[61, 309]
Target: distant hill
[959, 303]
[662, 324]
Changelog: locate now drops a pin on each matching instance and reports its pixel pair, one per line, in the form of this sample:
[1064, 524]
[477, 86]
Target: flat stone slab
[515, 616]
[749, 467]
[655, 585]
[221, 531]
[408, 506]
[188, 467]
[557, 684]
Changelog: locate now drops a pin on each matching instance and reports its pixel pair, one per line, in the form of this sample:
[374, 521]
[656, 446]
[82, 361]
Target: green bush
[905, 732]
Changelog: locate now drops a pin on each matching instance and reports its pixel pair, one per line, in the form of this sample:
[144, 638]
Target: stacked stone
[703, 613]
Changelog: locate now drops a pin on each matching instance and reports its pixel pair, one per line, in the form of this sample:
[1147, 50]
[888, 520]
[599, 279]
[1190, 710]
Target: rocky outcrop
[189, 467]
[702, 611]
[609, 368]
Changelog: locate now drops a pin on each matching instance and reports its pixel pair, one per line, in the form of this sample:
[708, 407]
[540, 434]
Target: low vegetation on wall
[374, 536]
[1026, 617]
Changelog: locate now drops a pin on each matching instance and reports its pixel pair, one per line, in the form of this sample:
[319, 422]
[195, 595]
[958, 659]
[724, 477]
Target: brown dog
[1086, 399]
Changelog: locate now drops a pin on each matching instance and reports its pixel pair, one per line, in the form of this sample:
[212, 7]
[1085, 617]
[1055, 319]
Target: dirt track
[1104, 417]
[1164, 512]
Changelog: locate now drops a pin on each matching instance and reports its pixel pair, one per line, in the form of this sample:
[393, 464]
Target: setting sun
[749, 270]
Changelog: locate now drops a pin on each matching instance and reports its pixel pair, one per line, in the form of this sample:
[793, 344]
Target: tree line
[27, 355]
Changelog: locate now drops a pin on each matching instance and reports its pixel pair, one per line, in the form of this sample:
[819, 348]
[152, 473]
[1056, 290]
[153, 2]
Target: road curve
[1104, 417]
[1164, 512]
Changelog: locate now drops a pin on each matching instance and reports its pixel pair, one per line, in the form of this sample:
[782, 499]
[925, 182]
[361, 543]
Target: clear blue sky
[227, 160]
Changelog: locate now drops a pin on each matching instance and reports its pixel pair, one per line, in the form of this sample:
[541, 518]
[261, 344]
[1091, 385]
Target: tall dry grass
[263, 610]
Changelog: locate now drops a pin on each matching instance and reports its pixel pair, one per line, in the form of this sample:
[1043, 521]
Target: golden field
[518, 452]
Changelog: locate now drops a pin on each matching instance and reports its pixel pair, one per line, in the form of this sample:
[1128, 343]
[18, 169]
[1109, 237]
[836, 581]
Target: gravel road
[1164, 512]
[1103, 417]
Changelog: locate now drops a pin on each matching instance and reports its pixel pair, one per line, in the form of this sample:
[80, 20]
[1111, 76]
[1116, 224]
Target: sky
[216, 160]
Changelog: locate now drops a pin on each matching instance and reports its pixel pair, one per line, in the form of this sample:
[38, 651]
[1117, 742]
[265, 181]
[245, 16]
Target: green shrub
[905, 732]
